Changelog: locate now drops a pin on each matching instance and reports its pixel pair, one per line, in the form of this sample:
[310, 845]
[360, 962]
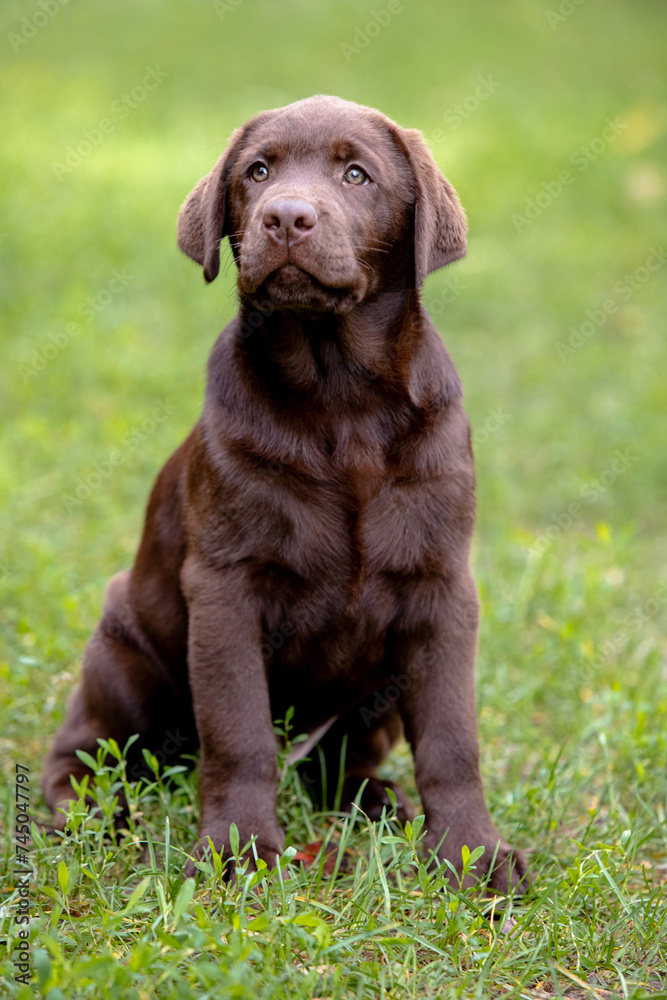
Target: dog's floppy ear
[440, 222]
[201, 222]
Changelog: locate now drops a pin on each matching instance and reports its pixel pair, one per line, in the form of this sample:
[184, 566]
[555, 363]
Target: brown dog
[308, 544]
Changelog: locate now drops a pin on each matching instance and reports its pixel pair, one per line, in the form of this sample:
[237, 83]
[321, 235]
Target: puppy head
[326, 203]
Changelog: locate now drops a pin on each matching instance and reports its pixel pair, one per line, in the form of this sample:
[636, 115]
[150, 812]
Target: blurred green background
[550, 118]
[113, 111]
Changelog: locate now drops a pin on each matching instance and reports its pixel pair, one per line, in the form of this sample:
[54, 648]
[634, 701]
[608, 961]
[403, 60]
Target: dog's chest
[340, 517]
[381, 516]
[345, 567]
[352, 532]
[342, 522]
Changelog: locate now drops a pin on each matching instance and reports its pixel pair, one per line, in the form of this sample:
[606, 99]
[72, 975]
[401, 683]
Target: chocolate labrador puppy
[308, 544]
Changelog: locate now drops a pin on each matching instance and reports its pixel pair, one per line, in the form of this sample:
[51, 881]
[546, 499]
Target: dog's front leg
[228, 679]
[440, 718]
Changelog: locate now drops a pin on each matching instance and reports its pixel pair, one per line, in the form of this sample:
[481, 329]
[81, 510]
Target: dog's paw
[268, 845]
[509, 874]
[501, 868]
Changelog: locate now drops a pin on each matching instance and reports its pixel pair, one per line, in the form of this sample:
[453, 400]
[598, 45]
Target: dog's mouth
[290, 274]
[293, 287]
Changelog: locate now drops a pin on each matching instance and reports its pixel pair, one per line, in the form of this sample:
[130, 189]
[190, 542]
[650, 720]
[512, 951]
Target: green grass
[571, 668]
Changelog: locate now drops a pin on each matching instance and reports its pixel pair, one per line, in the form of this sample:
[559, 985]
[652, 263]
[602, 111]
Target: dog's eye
[259, 172]
[355, 175]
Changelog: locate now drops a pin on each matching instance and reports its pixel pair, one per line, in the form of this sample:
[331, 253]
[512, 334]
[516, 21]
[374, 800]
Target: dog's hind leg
[123, 691]
[368, 738]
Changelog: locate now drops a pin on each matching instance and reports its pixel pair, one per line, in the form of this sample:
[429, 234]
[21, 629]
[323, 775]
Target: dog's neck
[379, 347]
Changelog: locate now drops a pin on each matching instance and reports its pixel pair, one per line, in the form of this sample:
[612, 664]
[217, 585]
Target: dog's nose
[289, 219]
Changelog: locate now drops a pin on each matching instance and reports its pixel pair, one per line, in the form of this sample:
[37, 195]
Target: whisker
[364, 264]
[357, 246]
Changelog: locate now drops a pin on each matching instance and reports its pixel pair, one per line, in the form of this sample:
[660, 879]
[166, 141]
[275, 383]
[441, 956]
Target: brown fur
[308, 544]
